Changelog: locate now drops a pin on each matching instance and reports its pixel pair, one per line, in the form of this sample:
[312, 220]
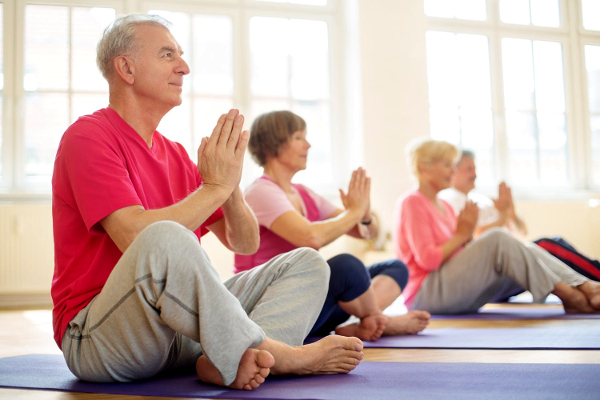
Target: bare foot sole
[369, 328]
[254, 367]
[592, 292]
[407, 324]
[333, 354]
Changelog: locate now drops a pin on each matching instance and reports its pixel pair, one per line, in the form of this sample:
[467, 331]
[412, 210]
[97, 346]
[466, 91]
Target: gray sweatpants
[473, 276]
[164, 305]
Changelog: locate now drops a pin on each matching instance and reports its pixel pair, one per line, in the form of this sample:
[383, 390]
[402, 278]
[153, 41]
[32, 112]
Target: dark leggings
[349, 279]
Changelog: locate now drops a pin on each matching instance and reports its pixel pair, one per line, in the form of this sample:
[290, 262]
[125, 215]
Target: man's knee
[311, 260]
[167, 243]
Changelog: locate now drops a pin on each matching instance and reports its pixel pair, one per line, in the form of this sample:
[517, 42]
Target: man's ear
[124, 69]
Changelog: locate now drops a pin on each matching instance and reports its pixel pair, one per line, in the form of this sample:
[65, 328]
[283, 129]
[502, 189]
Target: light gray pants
[164, 304]
[472, 278]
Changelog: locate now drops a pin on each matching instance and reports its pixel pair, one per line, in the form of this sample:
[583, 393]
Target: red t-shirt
[103, 165]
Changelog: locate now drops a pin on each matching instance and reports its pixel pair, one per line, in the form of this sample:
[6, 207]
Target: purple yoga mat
[519, 312]
[370, 380]
[498, 338]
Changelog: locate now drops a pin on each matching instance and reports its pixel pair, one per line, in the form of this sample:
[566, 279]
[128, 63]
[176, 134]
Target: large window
[60, 79]
[254, 55]
[505, 81]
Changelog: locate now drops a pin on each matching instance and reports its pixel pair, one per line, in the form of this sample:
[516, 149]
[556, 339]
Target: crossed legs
[164, 305]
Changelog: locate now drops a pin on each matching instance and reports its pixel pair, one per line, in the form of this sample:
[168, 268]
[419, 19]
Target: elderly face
[294, 153]
[158, 68]
[437, 174]
[465, 175]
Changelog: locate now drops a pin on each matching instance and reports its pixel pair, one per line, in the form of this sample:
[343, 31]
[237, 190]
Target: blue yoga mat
[370, 380]
[519, 312]
[498, 338]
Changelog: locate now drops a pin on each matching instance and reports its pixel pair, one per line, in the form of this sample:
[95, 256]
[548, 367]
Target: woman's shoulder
[410, 198]
[262, 189]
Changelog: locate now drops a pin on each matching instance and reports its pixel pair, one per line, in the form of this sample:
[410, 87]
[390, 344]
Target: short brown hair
[269, 131]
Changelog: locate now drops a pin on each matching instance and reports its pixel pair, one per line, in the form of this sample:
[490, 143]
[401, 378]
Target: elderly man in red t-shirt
[134, 293]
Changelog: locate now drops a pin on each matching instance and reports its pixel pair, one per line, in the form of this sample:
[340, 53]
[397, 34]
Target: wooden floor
[30, 332]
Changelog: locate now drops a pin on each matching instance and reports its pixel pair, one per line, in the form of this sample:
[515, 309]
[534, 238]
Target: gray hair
[119, 39]
[465, 154]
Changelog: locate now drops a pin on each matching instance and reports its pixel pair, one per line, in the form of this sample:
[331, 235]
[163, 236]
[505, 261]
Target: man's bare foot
[591, 290]
[331, 355]
[574, 300]
[407, 324]
[369, 328]
[254, 367]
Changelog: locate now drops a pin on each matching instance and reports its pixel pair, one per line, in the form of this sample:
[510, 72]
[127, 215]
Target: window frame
[572, 38]
[13, 183]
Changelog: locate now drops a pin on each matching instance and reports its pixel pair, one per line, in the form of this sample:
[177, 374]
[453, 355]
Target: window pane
[269, 40]
[553, 148]
[176, 125]
[309, 53]
[595, 128]
[441, 72]
[86, 103]
[439, 8]
[462, 9]
[522, 143]
[213, 55]
[460, 94]
[545, 13]
[46, 118]
[517, 59]
[592, 66]
[444, 124]
[289, 58]
[470, 9]
[549, 86]
[535, 112]
[515, 12]
[88, 25]
[530, 12]
[319, 170]
[590, 13]
[46, 48]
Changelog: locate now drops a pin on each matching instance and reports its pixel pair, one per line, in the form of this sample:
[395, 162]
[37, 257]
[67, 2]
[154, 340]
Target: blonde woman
[449, 272]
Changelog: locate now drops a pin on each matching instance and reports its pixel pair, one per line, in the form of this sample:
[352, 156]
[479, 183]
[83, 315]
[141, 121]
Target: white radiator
[26, 254]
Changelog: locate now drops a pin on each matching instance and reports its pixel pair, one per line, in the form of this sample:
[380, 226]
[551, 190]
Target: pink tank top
[271, 244]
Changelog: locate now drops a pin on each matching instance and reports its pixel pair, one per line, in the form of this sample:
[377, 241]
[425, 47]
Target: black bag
[562, 250]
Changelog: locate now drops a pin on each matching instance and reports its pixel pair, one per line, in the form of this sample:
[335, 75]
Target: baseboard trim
[14, 301]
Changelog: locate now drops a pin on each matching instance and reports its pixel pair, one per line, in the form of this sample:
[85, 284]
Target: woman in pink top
[292, 216]
[449, 272]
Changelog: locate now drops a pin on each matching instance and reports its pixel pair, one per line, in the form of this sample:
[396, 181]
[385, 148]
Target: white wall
[395, 98]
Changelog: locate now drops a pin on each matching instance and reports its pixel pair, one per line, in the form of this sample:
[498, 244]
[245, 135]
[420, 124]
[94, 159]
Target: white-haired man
[134, 293]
